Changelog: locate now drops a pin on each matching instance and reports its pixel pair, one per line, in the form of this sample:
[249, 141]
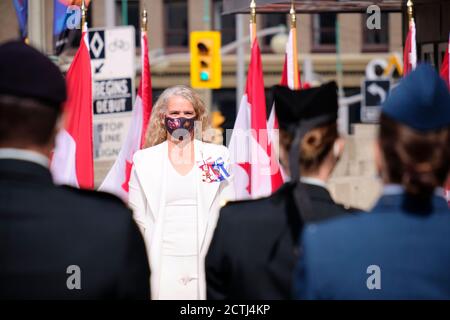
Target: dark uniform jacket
[400, 250]
[54, 240]
[254, 249]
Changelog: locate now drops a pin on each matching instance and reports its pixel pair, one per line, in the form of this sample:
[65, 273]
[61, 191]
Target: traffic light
[206, 62]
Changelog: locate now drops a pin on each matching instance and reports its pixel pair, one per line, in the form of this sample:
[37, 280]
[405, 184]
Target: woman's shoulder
[147, 152]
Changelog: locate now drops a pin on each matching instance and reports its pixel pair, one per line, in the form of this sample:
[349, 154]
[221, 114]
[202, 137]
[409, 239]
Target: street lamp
[278, 42]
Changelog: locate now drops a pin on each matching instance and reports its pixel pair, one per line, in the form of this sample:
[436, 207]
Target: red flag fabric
[117, 179]
[410, 51]
[445, 71]
[72, 161]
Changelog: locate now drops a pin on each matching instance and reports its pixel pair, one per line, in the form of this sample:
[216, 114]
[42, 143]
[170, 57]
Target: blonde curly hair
[156, 131]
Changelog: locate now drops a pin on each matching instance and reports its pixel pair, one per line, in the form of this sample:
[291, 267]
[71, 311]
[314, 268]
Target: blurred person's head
[32, 91]
[177, 112]
[315, 111]
[413, 147]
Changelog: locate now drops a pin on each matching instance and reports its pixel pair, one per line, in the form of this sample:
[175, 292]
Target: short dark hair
[417, 160]
[25, 122]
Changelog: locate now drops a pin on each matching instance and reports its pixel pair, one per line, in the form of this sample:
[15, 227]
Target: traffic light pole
[207, 93]
[110, 14]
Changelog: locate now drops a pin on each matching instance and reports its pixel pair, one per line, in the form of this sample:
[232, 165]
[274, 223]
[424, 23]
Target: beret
[420, 101]
[27, 73]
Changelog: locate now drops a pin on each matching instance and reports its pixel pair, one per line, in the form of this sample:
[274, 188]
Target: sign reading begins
[112, 96]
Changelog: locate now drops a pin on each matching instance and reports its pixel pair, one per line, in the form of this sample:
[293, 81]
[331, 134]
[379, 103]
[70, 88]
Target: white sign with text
[113, 72]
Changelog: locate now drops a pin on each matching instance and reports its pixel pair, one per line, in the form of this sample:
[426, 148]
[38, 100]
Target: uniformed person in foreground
[401, 250]
[55, 242]
[253, 251]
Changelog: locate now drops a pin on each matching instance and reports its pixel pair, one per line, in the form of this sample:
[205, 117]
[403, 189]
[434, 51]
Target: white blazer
[147, 196]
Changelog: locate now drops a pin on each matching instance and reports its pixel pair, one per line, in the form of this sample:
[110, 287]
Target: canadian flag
[72, 161]
[249, 142]
[410, 51]
[445, 70]
[116, 181]
[290, 78]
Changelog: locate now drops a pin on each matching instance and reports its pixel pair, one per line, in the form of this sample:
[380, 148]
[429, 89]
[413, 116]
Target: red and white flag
[277, 177]
[445, 70]
[72, 161]
[410, 51]
[290, 78]
[116, 181]
[249, 141]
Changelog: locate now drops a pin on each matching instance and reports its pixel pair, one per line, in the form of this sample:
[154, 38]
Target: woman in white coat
[176, 188]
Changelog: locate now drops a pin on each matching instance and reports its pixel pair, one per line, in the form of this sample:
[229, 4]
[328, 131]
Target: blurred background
[334, 43]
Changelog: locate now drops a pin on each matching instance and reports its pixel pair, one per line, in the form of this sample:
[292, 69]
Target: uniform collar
[397, 189]
[24, 155]
[394, 198]
[313, 181]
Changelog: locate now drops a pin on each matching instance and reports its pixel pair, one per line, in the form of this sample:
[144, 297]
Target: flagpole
[294, 44]
[83, 14]
[410, 57]
[252, 21]
[144, 21]
[410, 5]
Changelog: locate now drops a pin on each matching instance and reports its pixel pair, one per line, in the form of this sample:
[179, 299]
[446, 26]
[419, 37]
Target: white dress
[179, 263]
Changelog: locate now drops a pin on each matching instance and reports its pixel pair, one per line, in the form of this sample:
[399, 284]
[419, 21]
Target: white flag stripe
[290, 61]
[239, 150]
[260, 170]
[413, 53]
[117, 175]
[63, 161]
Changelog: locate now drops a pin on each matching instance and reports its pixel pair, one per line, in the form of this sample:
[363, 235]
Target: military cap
[27, 73]
[421, 100]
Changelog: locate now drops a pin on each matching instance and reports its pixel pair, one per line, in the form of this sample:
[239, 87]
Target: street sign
[112, 53]
[374, 93]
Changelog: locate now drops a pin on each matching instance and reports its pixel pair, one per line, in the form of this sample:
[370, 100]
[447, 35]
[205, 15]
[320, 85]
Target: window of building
[225, 24]
[376, 40]
[133, 17]
[224, 100]
[176, 25]
[269, 21]
[324, 32]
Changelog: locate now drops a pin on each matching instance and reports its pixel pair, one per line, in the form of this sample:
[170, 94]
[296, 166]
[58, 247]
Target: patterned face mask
[179, 127]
